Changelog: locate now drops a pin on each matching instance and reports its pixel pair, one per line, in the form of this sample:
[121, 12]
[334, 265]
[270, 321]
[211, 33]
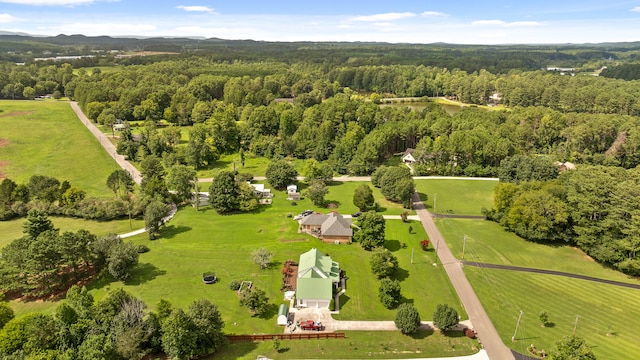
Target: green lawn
[604, 310]
[461, 197]
[607, 314]
[46, 138]
[357, 345]
[341, 194]
[255, 165]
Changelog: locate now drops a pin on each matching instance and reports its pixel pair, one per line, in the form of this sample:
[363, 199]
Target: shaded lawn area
[357, 345]
[46, 138]
[255, 165]
[488, 242]
[454, 196]
[606, 313]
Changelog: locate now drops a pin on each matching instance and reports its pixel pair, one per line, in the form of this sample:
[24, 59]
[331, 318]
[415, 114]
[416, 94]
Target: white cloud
[6, 18]
[506, 24]
[196, 8]
[384, 17]
[433, 14]
[635, 9]
[48, 2]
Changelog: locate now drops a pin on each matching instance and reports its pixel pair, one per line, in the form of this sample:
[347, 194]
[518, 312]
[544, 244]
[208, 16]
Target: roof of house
[336, 225]
[409, 151]
[314, 219]
[293, 187]
[316, 275]
[258, 187]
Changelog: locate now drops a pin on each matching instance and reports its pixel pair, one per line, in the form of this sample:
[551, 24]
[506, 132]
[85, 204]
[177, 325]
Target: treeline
[44, 261]
[623, 71]
[116, 327]
[596, 208]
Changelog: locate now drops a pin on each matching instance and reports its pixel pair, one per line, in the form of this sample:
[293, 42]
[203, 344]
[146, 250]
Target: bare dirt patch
[294, 240]
[16, 113]
[3, 164]
[4, 142]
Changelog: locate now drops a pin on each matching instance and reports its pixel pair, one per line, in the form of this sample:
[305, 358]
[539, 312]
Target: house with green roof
[318, 275]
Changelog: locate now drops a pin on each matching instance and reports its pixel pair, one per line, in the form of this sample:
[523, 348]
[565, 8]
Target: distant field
[46, 138]
[460, 197]
[603, 310]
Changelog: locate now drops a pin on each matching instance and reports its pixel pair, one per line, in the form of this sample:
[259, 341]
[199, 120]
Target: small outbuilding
[407, 156]
[283, 315]
[292, 188]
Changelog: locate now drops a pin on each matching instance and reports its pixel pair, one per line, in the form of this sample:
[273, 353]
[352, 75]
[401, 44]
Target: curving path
[551, 272]
[487, 333]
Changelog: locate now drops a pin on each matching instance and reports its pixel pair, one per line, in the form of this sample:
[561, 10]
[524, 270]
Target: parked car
[311, 325]
[355, 215]
[307, 212]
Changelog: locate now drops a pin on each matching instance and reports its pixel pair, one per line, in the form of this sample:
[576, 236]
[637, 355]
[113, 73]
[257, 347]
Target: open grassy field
[604, 310]
[357, 345]
[341, 194]
[461, 197]
[46, 138]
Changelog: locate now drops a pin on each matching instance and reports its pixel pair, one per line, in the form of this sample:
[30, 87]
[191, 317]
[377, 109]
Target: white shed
[292, 189]
[283, 314]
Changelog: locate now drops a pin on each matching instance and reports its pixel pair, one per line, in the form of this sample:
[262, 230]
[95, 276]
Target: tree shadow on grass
[423, 198]
[332, 204]
[143, 273]
[457, 334]
[170, 231]
[236, 349]
[405, 300]
[401, 274]
[392, 245]
[421, 334]
[270, 311]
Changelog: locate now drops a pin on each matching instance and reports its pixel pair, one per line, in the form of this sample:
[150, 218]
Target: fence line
[264, 337]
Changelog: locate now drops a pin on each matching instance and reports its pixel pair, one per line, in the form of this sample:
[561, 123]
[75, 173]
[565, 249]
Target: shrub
[424, 244]
[234, 285]
[445, 318]
[389, 293]
[407, 318]
[142, 249]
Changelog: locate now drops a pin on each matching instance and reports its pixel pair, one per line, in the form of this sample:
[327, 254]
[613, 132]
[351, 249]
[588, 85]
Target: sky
[400, 21]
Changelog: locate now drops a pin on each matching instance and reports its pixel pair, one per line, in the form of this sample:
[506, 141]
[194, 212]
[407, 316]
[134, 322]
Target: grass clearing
[604, 310]
[357, 345]
[341, 195]
[454, 196]
[46, 138]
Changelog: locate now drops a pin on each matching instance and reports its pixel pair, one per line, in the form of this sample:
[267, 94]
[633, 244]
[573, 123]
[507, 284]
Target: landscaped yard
[460, 197]
[46, 138]
[605, 311]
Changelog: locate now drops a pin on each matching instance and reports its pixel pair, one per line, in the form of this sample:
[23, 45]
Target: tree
[254, 299]
[363, 198]
[571, 348]
[280, 174]
[248, 199]
[153, 174]
[37, 223]
[153, 215]
[224, 193]
[372, 230]
[383, 263]
[208, 326]
[389, 293]
[407, 318]
[180, 179]
[316, 192]
[6, 314]
[262, 257]
[544, 318]
[445, 318]
[121, 183]
[396, 184]
[178, 335]
[122, 259]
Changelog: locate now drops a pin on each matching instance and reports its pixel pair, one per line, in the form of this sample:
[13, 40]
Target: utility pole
[436, 246]
[435, 198]
[575, 325]
[464, 245]
[412, 255]
[513, 338]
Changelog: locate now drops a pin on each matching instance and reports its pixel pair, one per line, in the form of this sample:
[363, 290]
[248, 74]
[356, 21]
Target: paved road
[487, 333]
[106, 143]
[368, 178]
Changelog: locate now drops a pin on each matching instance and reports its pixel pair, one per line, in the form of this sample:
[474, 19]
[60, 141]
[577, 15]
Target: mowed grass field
[459, 197]
[606, 313]
[46, 138]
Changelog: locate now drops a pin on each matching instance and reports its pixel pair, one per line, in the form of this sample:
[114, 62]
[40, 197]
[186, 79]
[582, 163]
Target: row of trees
[44, 261]
[116, 327]
[595, 207]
